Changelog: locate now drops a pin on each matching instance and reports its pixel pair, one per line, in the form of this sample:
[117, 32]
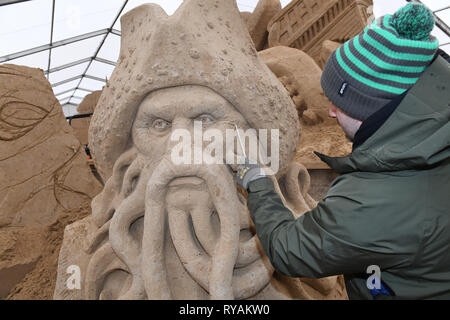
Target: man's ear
[333, 111]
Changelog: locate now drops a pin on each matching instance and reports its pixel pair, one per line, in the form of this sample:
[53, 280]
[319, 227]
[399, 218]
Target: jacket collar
[384, 140]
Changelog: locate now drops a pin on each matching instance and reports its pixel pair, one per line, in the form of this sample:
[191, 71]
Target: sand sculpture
[306, 24]
[81, 126]
[44, 179]
[42, 165]
[328, 47]
[259, 19]
[300, 75]
[165, 231]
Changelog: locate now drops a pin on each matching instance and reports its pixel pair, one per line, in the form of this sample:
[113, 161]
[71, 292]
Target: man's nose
[182, 123]
[332, 112]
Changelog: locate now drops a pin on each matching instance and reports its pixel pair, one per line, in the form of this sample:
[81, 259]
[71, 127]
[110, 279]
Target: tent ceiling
[77, 42]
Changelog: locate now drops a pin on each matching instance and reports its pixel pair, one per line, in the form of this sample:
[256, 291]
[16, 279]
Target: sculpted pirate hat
[204, 43]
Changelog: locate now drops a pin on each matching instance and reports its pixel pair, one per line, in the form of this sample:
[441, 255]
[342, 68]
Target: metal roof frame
[443, 26]
[56, 44]
[6, 2]
[101, 43]
[104, 33]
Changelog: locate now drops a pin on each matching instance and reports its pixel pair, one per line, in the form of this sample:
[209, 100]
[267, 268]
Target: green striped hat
[382, 62]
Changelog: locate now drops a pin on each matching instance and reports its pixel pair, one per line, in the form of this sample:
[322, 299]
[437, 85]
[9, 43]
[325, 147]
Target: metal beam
[69, 104]
[78, 77]
[51, 37]
[6, 2]
[441, 24]
[116, 32]
[66, 81]
[70, 90]
[110, 30]
[105, 61]
[54, 45]
[442, 9]
[80, 116]
[86, 90]
[81, 61]
[68, 65]
[95, 78]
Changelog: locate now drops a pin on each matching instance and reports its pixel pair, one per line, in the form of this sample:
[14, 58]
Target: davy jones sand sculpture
[165, 231]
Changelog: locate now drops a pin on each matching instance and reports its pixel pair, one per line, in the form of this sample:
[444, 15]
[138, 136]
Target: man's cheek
[147, 143]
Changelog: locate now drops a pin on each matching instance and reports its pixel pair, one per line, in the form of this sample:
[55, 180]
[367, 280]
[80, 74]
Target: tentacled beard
[198, 206]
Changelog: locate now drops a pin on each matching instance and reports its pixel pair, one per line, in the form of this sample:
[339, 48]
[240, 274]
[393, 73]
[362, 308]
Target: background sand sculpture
[45, 182]
[258, 20]
[305, 24]
[300, 75]
[138, 242]
[328, 47]
[81, 126]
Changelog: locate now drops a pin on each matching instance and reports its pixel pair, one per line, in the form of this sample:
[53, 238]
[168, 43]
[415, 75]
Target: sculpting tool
[240, 142]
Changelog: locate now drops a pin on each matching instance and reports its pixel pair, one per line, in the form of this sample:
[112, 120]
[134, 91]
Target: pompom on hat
[414, 21]
[382, 62]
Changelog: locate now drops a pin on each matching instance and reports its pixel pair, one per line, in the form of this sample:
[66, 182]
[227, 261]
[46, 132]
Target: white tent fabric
[77, 42]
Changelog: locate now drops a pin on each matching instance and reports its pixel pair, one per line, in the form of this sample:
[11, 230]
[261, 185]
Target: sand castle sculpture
[305, 24]
[295, 51]
[165, 231]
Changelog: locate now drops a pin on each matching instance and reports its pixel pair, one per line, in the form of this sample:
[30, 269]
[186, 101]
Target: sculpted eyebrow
[166, 112]
[216, 109]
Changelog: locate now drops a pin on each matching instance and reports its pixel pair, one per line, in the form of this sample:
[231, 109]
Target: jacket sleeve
[319, 243]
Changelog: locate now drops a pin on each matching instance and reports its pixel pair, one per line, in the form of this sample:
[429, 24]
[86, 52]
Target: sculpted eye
[205, 119]
[160, 124]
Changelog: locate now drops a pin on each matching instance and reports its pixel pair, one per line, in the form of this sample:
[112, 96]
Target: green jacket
[390, 206]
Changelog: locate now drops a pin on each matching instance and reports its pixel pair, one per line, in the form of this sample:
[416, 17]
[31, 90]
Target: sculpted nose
[181, 123]
[181, 138]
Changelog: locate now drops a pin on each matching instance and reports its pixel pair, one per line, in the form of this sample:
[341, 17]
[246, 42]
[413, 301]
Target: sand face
[159, 230]
[165, 231]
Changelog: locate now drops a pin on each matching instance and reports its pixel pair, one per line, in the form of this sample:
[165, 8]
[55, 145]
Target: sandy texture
[328, 47]
[245, 15]
[81, 126]
[327, 138]
[44, 180]
[300, 75]
[42, 165]
[38, 248]
[257, 22]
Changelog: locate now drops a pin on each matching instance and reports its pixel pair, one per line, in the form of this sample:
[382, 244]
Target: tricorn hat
[205, 43]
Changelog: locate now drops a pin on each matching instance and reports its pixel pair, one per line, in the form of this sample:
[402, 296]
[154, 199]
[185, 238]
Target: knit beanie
[382, 62]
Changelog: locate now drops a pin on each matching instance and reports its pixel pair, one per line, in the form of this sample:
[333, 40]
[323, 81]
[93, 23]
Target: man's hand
[247, 173]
